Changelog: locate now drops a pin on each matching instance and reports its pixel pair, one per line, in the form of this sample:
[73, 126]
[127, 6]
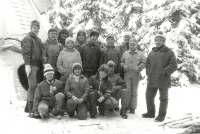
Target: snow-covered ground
[182, 102]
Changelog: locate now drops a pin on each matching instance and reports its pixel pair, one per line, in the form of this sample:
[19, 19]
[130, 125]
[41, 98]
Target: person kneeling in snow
[76, 91]
[119, 89]
[48, 95]
[100, 92]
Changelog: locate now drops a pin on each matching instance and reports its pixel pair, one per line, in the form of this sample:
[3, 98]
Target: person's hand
[75, 99]
[80, 100]
[28, 70]
[100, 99]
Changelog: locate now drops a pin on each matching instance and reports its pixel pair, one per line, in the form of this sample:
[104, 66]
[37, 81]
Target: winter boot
[26, 110]
[116, 109]
[30, 106]
[123, 113]
[132, 111]
[148, 115]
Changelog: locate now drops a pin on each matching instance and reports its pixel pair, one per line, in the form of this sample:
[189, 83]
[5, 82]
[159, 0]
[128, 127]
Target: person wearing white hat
[48, 96]
[67, 57]
[161, 63]
[132, 63]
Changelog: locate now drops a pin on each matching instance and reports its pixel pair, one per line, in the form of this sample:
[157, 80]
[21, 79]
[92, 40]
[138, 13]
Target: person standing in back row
[90, 55]
[161, 63]
[62, 36]
[80, 39]
[32, 55]
[132, 62]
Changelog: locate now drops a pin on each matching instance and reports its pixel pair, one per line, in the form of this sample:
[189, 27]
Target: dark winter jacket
[117, 82]
[32, 49]
[110, 53]
[105, 87]
[160, 64]
[51, 52]
[90, 55]
[79, 89]
[43, 92]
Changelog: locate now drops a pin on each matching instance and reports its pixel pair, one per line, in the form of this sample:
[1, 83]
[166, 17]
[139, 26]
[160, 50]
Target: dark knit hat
[94, 33]
[111, 63]
[104, 67]
[35, 23]
[52, 30]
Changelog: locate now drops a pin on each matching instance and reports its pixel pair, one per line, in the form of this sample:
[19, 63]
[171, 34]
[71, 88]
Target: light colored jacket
[66, 59]
[133, 63]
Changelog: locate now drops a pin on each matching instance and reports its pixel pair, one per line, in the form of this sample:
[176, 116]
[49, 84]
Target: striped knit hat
[48, 69]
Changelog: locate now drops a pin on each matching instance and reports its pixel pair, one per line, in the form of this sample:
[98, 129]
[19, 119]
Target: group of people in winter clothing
[84, 75]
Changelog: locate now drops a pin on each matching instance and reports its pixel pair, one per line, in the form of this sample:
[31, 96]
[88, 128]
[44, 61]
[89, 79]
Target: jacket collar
[53, 42]
[110, 46]
[162, 49]
[133, 52]
[32, 35]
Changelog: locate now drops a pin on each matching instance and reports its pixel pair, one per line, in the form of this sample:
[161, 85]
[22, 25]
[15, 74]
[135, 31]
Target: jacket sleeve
[67, 92]
[86, 92]
[79, 57]
[148, 64]
[60, 63]
[108, 92]
[123, 59]
[102, 54]
[37, 98]
[172, 65]
[118, 65]
[26, 50]
[98, 55]
[120, 84]
[44, 53]
[142, 63]
[81, 52]
[60, 87]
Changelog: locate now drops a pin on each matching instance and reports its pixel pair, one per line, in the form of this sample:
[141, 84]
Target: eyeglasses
[53, 33]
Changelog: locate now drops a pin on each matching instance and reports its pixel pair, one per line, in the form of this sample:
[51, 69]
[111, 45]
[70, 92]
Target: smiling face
[132, 46]
[69, 44]
[127, 38]
[159, 41]
[53, 35]
[93, 38]
[77, 71]
[64, 36]
[81, 37]
[49, 76]
[102, 74]
[35, 29]
[111, 69]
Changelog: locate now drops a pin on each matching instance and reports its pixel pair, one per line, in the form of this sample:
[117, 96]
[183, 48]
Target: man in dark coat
[32, 55]
[90, 55]
[160, 64]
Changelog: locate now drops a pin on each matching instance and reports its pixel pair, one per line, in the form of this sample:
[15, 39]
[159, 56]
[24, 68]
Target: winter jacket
[110, 53]
[66, 59]
[160, 64]
[79, 89]
[90, 55]
[43, 92]
[134, 62]
[51, 52]
[77, 45]
[117, 82]
[32, 49]
[105, 87]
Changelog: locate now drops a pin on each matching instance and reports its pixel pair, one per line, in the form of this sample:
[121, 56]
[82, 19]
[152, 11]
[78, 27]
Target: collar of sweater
[52, 42]
[163, 48]
[69, 49]
[33, 35]
[50, 82]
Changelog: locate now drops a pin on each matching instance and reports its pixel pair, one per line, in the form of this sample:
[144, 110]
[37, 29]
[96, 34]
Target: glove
[28, 70]
[100, 99]
[75, 99]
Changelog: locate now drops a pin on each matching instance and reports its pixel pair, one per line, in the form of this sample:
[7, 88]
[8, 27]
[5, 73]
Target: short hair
[35, 23]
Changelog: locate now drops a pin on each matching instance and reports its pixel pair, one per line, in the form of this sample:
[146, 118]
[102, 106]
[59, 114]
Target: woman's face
[69, 44]
[49, 76]
[77, 71]
[81, 37]
[102, 74]
[64, 36]
[127, 38]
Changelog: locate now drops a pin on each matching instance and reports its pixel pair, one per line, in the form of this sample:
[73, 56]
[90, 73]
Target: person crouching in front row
[76, 91]
[100, 92]
[48, 96]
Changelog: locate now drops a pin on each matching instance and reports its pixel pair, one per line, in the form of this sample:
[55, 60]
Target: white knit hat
[127, 33]
[48, 69]
[160, 34]
[69, 39]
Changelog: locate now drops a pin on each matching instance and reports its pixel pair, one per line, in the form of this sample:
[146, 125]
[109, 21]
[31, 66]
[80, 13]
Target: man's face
[110, 41]
[49, 76]
[81, 37]
[93, 38]
[69, 44]
[35, 29]
[102, 74]
[112, 68]
[77, 71]
[159, 41]
[64, 36]
[53, 35]
[127, 38]
[132, 46]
